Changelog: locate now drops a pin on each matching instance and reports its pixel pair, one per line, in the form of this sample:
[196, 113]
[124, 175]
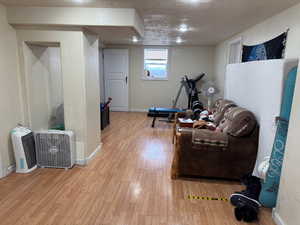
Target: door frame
[239, 51]
[2, 173]
[126, 50]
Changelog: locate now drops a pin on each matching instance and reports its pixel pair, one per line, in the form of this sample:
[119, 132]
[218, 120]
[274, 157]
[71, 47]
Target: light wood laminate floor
[128, 183]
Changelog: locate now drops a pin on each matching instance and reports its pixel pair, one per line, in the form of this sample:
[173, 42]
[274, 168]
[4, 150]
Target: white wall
[81, 95]
[74, 79]
[80, 81]
[262, 32]
[101, 73]
[55, 79]
[38, 87]
[44, 82]
[10, 107]
[183, 61]
[288, 207]
[76, 16]
[92, 82]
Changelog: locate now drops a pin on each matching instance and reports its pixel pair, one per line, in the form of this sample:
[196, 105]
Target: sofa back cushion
[221, 106]
[238, 122]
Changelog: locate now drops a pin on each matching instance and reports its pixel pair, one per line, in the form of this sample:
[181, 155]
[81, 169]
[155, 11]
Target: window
[156, 64]
[235, 51]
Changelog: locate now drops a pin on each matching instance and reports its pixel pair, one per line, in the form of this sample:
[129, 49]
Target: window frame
[146, 78]
[237, 41]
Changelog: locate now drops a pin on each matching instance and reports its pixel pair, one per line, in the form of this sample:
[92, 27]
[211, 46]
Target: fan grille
[53, 150]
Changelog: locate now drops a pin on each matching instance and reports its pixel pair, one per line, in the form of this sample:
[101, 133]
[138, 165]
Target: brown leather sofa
[219, 109]
[229, 152]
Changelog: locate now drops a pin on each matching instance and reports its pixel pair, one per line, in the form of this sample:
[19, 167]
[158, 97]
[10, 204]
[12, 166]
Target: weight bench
[161, 112]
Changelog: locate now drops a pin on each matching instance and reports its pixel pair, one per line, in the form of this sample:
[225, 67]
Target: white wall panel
[258, 87]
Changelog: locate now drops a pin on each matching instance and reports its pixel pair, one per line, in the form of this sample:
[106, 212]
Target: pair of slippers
[246, 202]
[245, 209]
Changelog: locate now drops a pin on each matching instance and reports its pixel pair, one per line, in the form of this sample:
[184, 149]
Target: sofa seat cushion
[203, 137]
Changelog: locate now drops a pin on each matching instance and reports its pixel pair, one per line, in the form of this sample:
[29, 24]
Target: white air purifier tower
[24, 149]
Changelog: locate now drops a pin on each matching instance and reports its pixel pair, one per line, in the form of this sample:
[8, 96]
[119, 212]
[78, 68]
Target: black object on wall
[273, 49]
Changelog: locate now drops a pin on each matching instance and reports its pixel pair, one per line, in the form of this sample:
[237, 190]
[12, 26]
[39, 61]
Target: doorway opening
[44, 86]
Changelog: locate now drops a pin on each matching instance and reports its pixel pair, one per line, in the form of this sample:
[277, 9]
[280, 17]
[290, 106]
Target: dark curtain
[273, 49]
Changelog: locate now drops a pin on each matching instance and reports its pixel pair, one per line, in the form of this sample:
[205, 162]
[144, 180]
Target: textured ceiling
[210, 21]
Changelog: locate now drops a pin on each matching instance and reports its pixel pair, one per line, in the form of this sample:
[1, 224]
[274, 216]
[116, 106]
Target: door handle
[126, 79]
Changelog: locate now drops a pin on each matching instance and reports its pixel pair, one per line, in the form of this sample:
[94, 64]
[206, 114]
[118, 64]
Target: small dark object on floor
[105, 119]
[246, 202]
[246, 213]
[248, 179]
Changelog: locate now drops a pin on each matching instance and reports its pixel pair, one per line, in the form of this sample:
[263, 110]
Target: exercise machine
[190, 86]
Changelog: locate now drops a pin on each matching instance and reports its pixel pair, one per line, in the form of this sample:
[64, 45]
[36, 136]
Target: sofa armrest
[246, 146]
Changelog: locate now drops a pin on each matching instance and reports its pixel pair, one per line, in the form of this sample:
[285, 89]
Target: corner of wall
[12, 111]
[277, 219]
[92, 91]
[85, 161]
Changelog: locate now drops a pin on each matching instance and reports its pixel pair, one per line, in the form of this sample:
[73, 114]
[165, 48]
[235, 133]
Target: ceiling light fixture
[183, 28]
[178, 40]
[135, 39]
[196, 1]
[80, 1]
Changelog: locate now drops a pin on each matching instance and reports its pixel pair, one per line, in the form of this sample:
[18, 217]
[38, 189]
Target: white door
[116, 78]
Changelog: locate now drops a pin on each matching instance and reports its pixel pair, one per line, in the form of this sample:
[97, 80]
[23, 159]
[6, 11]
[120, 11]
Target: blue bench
[161, 112]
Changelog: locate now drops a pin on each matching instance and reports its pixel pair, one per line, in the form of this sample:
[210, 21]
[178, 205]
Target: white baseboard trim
[10, 169]
[80, 162]
[92, 156]
[86, 161]
[277, 219]
[138, 110]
